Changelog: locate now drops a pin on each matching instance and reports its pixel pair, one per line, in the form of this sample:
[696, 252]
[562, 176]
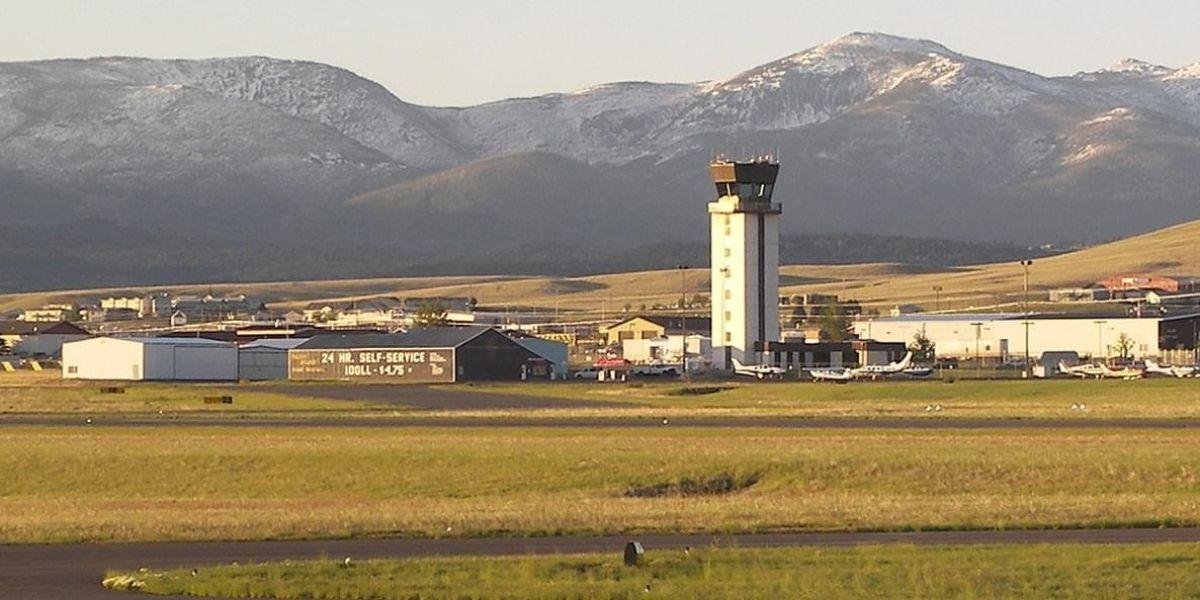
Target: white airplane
[759, 371]
[834, 375]
[1127, 373]
[1099, 371]
[1153, 367]
[901, 367]
[1083, 371]
[874, 371]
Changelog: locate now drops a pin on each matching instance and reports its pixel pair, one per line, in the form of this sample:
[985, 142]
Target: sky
[464, 52]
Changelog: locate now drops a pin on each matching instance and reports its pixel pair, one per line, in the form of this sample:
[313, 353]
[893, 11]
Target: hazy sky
[468, 51]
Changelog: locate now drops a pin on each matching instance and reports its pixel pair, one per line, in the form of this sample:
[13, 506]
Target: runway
[44, 572]
[255, 421]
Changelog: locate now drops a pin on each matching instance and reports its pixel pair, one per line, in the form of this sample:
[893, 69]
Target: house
[25, 338]
[150, 359]
[458, 309]
[214, 308]
[650, 327]
[382, 311]
[50, 313]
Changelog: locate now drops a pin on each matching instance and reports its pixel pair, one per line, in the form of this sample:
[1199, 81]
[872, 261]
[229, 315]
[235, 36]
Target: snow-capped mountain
[877, 133]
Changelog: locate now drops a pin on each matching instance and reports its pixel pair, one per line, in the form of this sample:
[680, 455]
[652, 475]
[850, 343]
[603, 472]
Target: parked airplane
[1084, 370]
[1126, 373]
[1153, 367]
[901, 367]
[874, 371]
[834, 375]
[917, 372]
[1099, 371]
[759, 371]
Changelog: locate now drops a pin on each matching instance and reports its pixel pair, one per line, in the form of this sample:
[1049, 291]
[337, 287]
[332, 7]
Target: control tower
[745, 261]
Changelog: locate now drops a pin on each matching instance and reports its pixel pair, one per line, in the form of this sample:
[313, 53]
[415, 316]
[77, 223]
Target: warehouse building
[266, 359]
[1001, 336]
[150, 359]
[427, 355]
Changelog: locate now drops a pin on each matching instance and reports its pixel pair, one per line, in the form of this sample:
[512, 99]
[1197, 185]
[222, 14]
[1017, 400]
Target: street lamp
[1025, 309]
[683, 310]
[978, 330]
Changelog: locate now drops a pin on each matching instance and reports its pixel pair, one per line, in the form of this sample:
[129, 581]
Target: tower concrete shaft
[745, 261]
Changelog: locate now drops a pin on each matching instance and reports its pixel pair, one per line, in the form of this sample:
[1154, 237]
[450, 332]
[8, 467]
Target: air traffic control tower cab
[745, 260]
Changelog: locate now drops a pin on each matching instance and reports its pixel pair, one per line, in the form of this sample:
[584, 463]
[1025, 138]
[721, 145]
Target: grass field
[44, 393]
[93, 483]
[1150, 399]
[27, 392]
[1044, 571]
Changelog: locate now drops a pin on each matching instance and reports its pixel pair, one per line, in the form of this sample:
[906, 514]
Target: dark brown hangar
[428, 355]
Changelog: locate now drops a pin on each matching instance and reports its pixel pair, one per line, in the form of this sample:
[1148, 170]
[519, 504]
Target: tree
[700, 300]
[923, 349]
[1122, 348]
[430, 313]
[834, 324]
[628, 307]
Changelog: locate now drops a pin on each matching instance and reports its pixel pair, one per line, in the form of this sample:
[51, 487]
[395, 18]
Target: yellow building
[648, 328]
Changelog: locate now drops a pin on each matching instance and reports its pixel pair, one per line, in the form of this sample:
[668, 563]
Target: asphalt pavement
[44, 572]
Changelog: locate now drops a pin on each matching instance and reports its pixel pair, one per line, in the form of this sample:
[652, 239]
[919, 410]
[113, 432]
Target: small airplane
[834, 375]
[1127, 373]
[758, 371]
[1152, 367]
[901, 367]
[895, 368]
[1099, 371]
[917, 372]
[1083, 371]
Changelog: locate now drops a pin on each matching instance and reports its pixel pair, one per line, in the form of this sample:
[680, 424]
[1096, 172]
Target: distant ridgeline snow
[259, 167]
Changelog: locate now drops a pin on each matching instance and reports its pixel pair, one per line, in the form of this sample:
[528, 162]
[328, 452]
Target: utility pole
[1025, 309]
[937, 298]
[978, 365]
[683, 310]
[1100, 340]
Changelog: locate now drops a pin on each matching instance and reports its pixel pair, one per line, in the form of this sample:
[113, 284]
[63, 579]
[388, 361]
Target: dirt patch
[698, 390]
[713, 485]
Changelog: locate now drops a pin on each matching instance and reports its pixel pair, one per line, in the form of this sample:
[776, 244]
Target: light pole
[1100, 339]
[978, 329]
[937, 298]
[683, 310]
[1025, 309]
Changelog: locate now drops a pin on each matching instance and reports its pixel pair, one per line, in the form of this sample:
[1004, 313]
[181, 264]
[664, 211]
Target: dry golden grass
[27, 392]
[1043, 571]
[59, 484]
[1168, 251]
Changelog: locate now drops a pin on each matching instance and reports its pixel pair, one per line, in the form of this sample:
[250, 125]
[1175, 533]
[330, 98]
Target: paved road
[74, 571]
[594, 422]
[436, 397]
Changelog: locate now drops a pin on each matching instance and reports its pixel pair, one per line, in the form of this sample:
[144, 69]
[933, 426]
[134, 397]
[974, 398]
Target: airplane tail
[1152, 364]
[737, 364]
[905, 362]
[1063, 368]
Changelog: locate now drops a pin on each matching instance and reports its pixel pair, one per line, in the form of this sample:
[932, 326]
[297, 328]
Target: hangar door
[200, 363]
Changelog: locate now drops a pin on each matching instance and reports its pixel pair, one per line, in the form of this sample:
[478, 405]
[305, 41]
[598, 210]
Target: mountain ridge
[879, 134]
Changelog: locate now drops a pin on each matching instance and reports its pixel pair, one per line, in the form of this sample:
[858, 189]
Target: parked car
[586, 373]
